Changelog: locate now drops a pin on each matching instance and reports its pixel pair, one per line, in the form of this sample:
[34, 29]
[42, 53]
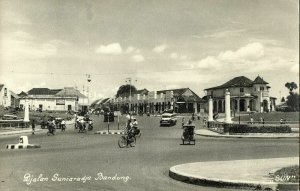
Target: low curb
[19, 132]
[22, 146]
[220, 183]
[110, 133]
[246, 136]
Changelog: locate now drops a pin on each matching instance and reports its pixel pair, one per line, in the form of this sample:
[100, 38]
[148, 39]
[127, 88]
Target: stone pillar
[210, 110]
[268, 104]
[223, 106]
[227, 107]
[247, 105]
[261, 102]
[238, 105]
[195, 107]
[26, 112]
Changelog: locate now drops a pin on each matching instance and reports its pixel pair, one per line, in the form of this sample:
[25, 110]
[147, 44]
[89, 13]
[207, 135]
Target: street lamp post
[129, 80]
[88, 89]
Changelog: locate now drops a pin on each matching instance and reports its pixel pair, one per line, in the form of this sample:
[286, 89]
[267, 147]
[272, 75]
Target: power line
[98, 74]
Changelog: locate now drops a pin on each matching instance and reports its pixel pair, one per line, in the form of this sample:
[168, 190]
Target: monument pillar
[210, 110]
[227, 107]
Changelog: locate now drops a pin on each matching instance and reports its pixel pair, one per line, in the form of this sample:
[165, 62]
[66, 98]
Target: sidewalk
[13, 131]
[25, 131]
[209, 133]
[236, 174]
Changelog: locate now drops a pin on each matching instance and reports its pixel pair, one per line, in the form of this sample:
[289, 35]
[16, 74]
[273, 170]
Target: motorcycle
[51, 131]
[63, 127]
[136, 132]
[90, 127]
[82, 126]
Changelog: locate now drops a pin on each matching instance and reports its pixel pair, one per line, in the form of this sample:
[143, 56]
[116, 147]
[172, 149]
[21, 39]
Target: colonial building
[7, 97]
[181, 100]
[101, 103]
[54, 99]
[245, 94]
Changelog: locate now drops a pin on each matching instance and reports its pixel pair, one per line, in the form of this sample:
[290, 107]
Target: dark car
[109, 116]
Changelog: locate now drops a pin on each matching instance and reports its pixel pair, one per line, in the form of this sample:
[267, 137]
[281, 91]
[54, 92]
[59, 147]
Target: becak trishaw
[188, 135]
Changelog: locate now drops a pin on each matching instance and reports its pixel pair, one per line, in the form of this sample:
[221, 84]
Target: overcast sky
[162, 44]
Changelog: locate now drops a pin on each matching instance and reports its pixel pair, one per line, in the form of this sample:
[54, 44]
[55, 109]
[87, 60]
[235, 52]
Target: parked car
[9, 117]
[168, 119]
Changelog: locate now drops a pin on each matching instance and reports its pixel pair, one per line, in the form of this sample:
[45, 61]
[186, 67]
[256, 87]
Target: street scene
[156, 96]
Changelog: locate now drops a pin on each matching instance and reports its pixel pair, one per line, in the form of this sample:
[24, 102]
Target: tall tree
[291, 86]
[293, 101]
[125, 90]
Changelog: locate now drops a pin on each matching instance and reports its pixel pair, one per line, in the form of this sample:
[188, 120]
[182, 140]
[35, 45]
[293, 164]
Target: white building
[182, 100]
[7, 97]
[245, 95]
[53, 99]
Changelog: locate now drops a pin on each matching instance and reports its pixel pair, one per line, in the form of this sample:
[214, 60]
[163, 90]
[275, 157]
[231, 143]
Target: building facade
[7, 97]
[53, 99]
[245, 95]
[181, 100]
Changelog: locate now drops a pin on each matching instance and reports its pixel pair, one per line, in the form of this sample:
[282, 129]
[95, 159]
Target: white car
[168, 119]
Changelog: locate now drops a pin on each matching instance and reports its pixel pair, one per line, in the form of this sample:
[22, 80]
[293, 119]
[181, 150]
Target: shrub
[287, 174]
[246, 128]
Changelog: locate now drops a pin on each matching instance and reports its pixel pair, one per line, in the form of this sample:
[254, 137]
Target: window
[212, 93]
[261, 88]
[5, 92]
[241, 90]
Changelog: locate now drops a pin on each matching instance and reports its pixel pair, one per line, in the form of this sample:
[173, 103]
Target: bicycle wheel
[132, 143]
[122, 142]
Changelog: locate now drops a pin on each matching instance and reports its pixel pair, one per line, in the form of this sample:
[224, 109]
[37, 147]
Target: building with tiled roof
[246, 95]
[54, 99]
[182, 100]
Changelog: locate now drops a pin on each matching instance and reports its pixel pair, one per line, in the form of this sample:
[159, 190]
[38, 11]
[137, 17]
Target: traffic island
[241, 174]
[23, 144]
[111, 132]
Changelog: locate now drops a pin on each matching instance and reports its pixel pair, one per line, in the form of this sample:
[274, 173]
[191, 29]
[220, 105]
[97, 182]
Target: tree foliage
[291, 86]
[293, 101]
[124, 90]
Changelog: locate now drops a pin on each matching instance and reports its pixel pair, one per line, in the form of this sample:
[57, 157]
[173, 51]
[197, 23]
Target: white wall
[5, 100]
[49, 104]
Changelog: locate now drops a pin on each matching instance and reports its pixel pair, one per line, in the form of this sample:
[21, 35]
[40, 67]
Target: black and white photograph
[149, 95]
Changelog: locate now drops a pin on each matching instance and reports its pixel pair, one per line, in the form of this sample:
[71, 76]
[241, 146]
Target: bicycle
[127, 139]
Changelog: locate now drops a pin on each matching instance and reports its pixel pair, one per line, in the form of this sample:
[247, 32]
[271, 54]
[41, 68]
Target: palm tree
[291, 86]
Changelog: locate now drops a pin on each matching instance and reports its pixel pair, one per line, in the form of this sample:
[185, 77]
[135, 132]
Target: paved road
[71, 154]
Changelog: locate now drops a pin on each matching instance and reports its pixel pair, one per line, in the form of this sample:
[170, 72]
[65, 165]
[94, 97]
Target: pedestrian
[182, 122]
[204, 122]
[251, 120]
[281, 121]
[33, 126]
